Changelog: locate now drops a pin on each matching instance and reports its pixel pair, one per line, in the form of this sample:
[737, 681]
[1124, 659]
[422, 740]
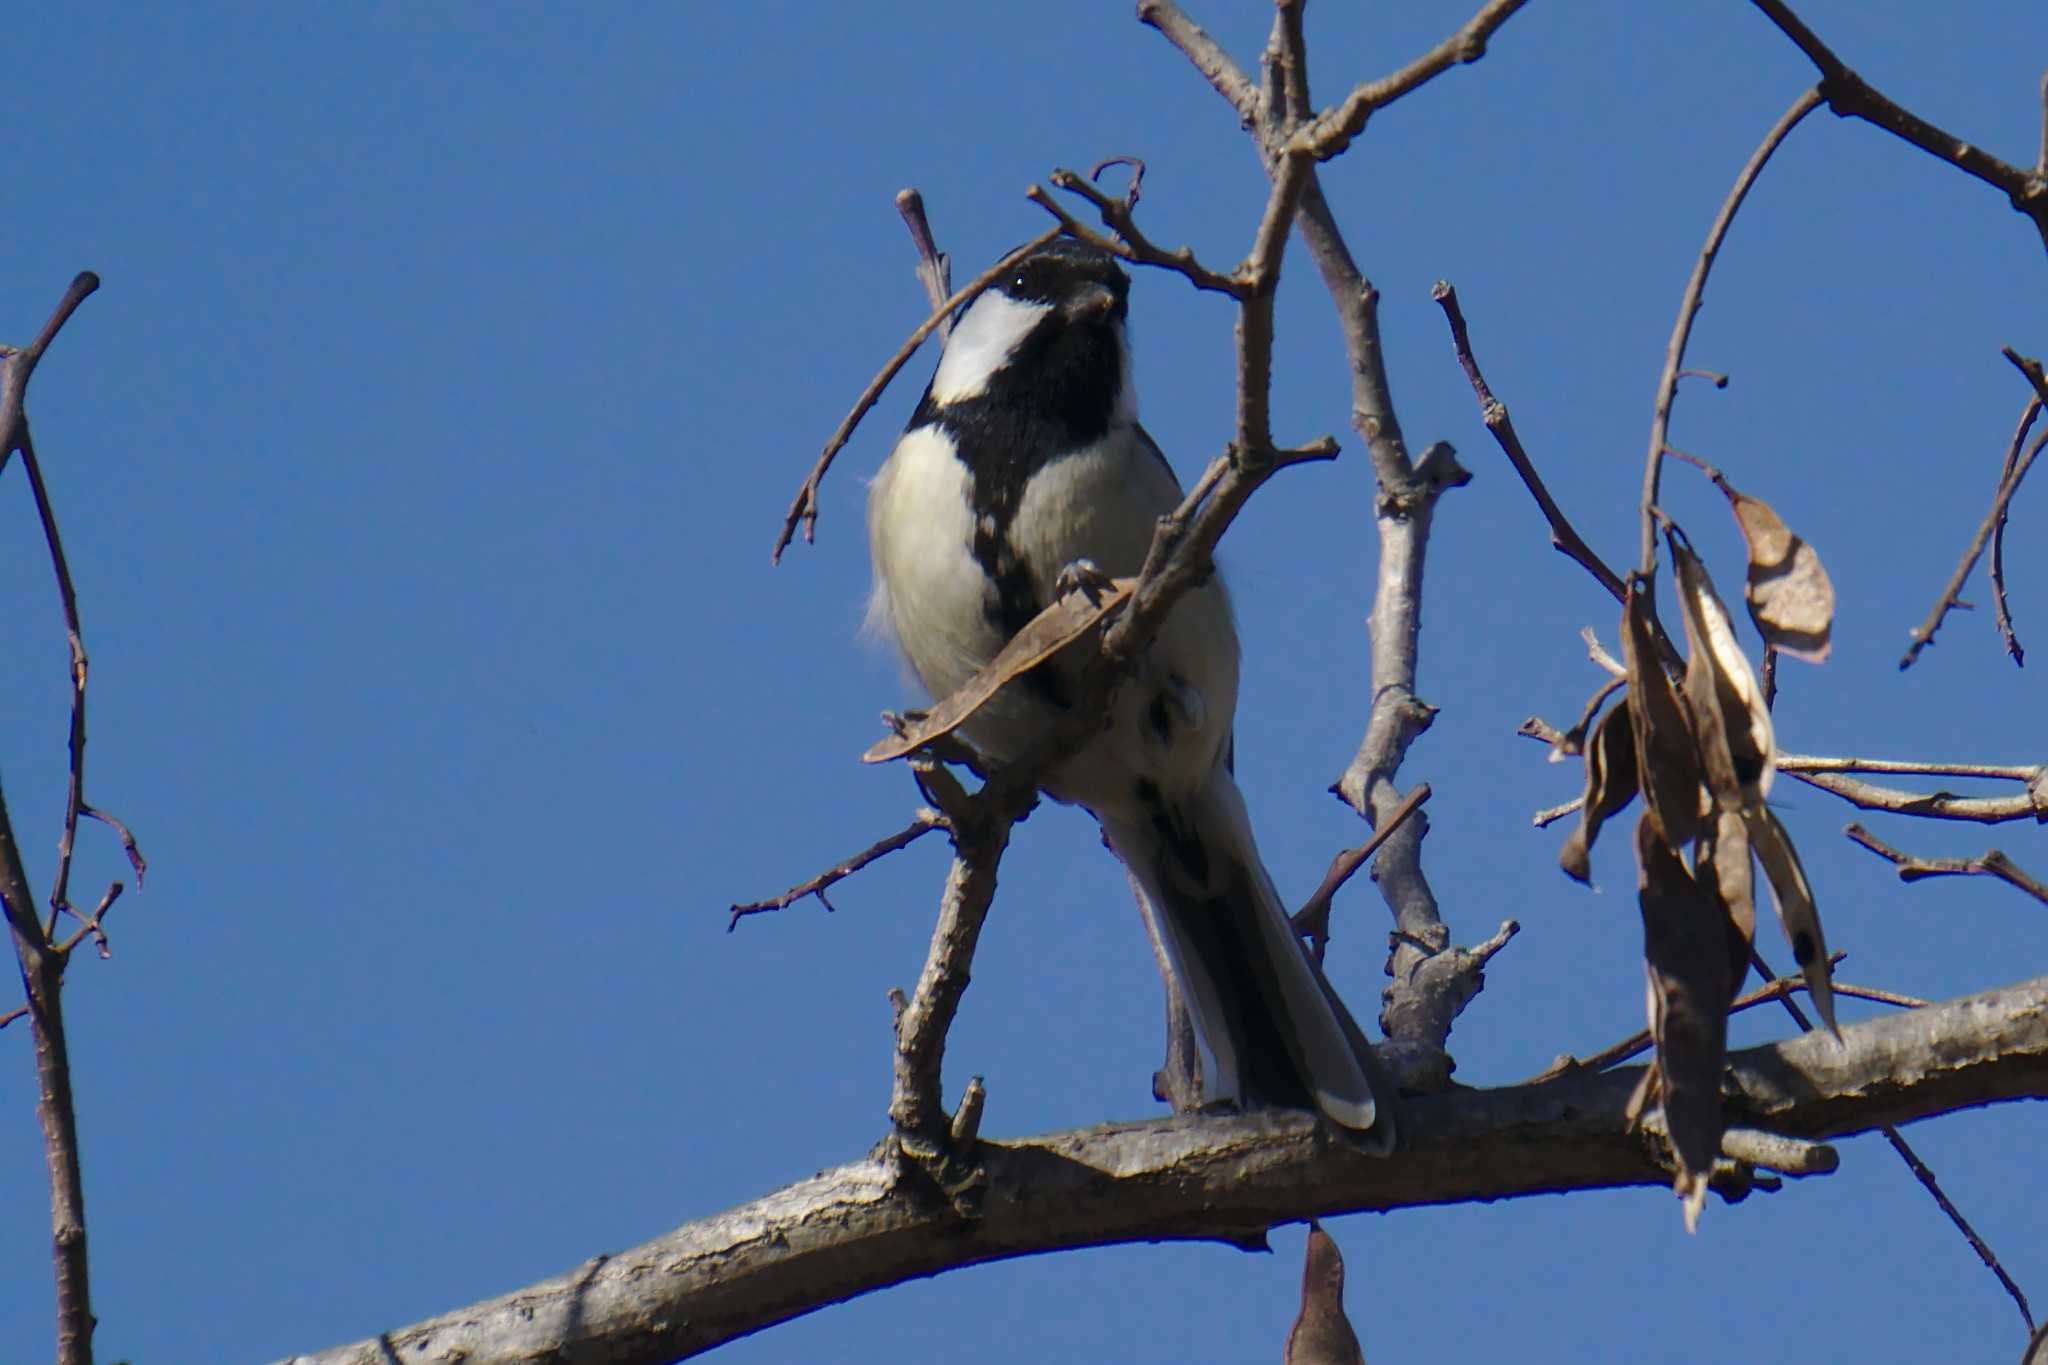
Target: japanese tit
[1024, 457]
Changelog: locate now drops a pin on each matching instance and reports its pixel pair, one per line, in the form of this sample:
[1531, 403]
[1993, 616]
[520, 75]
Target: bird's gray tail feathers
[1273, 1027]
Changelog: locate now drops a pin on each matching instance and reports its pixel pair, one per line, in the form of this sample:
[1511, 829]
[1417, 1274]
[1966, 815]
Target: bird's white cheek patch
[992, 328]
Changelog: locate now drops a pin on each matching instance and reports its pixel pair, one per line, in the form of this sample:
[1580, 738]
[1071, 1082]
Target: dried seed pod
[1667, 758]
[1797, 913]
[1610, 785]
[1685, 958]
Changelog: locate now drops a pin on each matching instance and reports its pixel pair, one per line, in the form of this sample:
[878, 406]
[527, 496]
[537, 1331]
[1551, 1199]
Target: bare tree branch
[1419, 1006]
[42, 962]
[980, 827]
[861, 1226]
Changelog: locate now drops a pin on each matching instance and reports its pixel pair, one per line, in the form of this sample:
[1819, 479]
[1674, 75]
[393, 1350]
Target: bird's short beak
[1093, 302]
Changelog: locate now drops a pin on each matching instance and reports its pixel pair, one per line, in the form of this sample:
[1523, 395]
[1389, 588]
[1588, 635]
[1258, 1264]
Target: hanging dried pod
[1667, 759]
[1726, 705]
[1721, 865]
[1610, 785]
[1685, 958]
[1797, 914]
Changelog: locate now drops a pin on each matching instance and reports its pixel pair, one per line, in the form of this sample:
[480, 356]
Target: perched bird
[1023, 469]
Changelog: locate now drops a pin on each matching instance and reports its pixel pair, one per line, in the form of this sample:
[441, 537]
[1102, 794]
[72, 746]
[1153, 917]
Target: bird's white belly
[1096, 504]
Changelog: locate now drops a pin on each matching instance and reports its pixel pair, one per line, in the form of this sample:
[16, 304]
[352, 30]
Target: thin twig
[91, 926]
[1689, 307]
[42, 964]
[924, 822]
[934, 270]
[2041, 162]
[1205, 53]
[1639, 1042]
[1914, 1164]
[1130, 242]
[804, 507]
[1849, 95]
[1985, 810]
[1312, 921]
[2001, 610]
[1563, 536]
[1329, 133]
[1817, 763]
[1573, 741]
[1990, 863]
[1825, 773]
[2010, 474]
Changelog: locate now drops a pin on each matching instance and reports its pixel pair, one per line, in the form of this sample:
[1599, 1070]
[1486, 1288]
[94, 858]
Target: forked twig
[924, 822]
[1312, 921]
[1990, 863]
[1992, 528]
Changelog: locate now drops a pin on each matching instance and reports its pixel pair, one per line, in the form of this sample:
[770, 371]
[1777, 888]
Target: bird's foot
[1083, 577]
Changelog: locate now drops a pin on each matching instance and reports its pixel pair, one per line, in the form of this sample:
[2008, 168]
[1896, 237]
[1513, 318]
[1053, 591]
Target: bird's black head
[1041, 350]
[1079, 280]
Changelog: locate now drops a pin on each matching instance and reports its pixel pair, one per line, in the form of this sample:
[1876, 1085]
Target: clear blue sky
[419, 462]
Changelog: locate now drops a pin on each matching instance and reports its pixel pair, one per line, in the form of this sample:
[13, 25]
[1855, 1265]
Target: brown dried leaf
[1610, 785]
[1052, 630]
[1686, 959]
[1667, 759]
[1797, 913]
[1790, 597]
[1725, 703]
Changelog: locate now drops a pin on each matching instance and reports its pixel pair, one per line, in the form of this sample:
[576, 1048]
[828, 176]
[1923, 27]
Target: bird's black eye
[1018, 284]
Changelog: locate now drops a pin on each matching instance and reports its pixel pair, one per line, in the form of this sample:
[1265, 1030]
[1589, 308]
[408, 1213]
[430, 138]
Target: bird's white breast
[928, 588]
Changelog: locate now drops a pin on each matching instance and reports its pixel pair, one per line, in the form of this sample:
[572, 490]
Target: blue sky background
[419, 462]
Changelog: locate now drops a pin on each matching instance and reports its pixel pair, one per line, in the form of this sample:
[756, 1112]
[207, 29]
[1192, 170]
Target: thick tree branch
[864, 1225]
